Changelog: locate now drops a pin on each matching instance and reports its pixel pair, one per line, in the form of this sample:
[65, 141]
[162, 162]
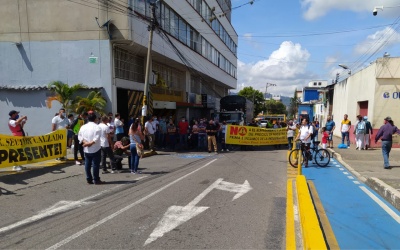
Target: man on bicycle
[305, 134]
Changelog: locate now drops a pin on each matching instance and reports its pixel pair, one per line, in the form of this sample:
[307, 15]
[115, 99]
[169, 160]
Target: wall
[49, 20]
[39, 63]
[310, 95]
[357, 88]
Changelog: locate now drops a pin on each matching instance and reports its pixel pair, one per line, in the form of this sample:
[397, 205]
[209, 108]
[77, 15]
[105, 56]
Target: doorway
[363, 107]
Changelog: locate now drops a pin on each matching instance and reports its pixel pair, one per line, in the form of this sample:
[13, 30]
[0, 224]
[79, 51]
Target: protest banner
[16, 150]
[245, 135]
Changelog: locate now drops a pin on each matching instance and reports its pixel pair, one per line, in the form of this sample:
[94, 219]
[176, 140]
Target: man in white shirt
[119, 126]
[60, 122]
[149, 127]
[89, 135]
[305, 133]
[106, 146]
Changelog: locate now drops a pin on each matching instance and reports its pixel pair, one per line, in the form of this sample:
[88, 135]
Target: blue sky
[295, 60]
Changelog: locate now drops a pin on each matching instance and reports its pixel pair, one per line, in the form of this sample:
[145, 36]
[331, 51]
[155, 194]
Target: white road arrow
[177, 215]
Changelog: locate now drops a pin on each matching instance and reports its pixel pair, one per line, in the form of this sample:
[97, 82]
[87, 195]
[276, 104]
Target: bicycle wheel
[295, 158]
[322, 157]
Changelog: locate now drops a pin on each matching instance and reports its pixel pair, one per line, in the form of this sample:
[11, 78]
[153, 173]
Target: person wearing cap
[385, 134]
[16, 125]
[368, 128]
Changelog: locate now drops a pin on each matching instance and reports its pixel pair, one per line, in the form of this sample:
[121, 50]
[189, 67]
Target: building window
[319, 84]
[182, 30]
[315, 84]
[128, 66]
[172, 77]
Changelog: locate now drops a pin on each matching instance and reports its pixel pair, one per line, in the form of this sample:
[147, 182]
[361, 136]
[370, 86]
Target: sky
[292, 42]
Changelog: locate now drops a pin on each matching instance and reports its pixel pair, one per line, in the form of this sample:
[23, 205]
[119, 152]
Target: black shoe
[209, 151]
[90, 182]
[388, 167]
[105, 172]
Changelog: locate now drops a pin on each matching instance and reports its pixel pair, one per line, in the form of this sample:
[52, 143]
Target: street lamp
[345, 67]
[375, 11]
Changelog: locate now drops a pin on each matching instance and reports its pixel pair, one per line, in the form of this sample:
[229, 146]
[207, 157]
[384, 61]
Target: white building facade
[57, 46]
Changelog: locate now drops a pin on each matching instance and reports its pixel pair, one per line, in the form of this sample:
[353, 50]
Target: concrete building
[277, 98]
[47, 40]
[373, 92]
[318, 83]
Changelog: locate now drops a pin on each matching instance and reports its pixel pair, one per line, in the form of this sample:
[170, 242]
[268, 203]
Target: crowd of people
[99, 138]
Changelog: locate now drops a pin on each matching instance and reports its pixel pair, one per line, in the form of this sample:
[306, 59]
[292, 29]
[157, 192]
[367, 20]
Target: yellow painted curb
[313, 237]
[290, 231]
[330, 236]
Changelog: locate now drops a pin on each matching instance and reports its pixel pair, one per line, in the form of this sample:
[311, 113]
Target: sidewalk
[367, 165]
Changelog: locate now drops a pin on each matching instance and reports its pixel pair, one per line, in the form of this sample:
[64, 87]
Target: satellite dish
[106, 24]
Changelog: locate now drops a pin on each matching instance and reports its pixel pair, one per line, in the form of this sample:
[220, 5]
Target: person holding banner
[16, 125]
[305, 134]
[89, 135]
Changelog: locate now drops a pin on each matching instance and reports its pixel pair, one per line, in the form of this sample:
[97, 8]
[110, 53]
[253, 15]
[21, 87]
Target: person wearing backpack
[359, 131]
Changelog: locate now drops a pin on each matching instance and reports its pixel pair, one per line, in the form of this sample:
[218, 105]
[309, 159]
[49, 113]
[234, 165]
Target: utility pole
[151, 28]
[266, 92]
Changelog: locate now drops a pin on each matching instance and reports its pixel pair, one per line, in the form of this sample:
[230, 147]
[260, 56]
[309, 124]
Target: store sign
[304, 112]
[395, 95]
[93, 59]
[198, 99]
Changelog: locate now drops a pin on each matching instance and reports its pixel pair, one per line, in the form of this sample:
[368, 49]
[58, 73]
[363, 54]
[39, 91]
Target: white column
[188, 91]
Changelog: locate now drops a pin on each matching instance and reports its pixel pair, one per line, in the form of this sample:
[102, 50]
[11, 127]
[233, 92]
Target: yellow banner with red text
[18, 150]
[245, 135]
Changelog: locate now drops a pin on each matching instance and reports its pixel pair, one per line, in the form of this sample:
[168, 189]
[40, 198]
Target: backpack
[360, 128]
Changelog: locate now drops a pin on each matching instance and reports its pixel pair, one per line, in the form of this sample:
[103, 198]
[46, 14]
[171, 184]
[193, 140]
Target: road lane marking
[381, 204]
[326, 226]
[177, 215]
[290, 231]
[62, 206]
[345, 173]
[89, 228]
[356, 182]
[350, 177]
[341, 168]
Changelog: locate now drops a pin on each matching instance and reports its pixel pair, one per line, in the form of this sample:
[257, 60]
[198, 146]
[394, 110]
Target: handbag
[139, 147]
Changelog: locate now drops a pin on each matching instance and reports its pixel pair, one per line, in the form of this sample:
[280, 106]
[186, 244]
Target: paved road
[233, 200]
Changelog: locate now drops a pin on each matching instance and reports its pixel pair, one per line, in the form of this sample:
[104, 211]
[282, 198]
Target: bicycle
[321, 156]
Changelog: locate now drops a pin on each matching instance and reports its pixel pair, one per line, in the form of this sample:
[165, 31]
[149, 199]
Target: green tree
[294, 104]
[254, 96]
[93, 102]
[62, 93]
[273, 107]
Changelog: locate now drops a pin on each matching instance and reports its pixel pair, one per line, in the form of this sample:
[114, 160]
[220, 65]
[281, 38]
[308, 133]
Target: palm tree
[63, 93]
[93, 102]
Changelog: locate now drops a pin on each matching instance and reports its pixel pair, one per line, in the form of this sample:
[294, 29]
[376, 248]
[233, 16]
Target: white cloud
[247, 36]
[332, 59]
[318, 8]
[379, 40]
[286, 67]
